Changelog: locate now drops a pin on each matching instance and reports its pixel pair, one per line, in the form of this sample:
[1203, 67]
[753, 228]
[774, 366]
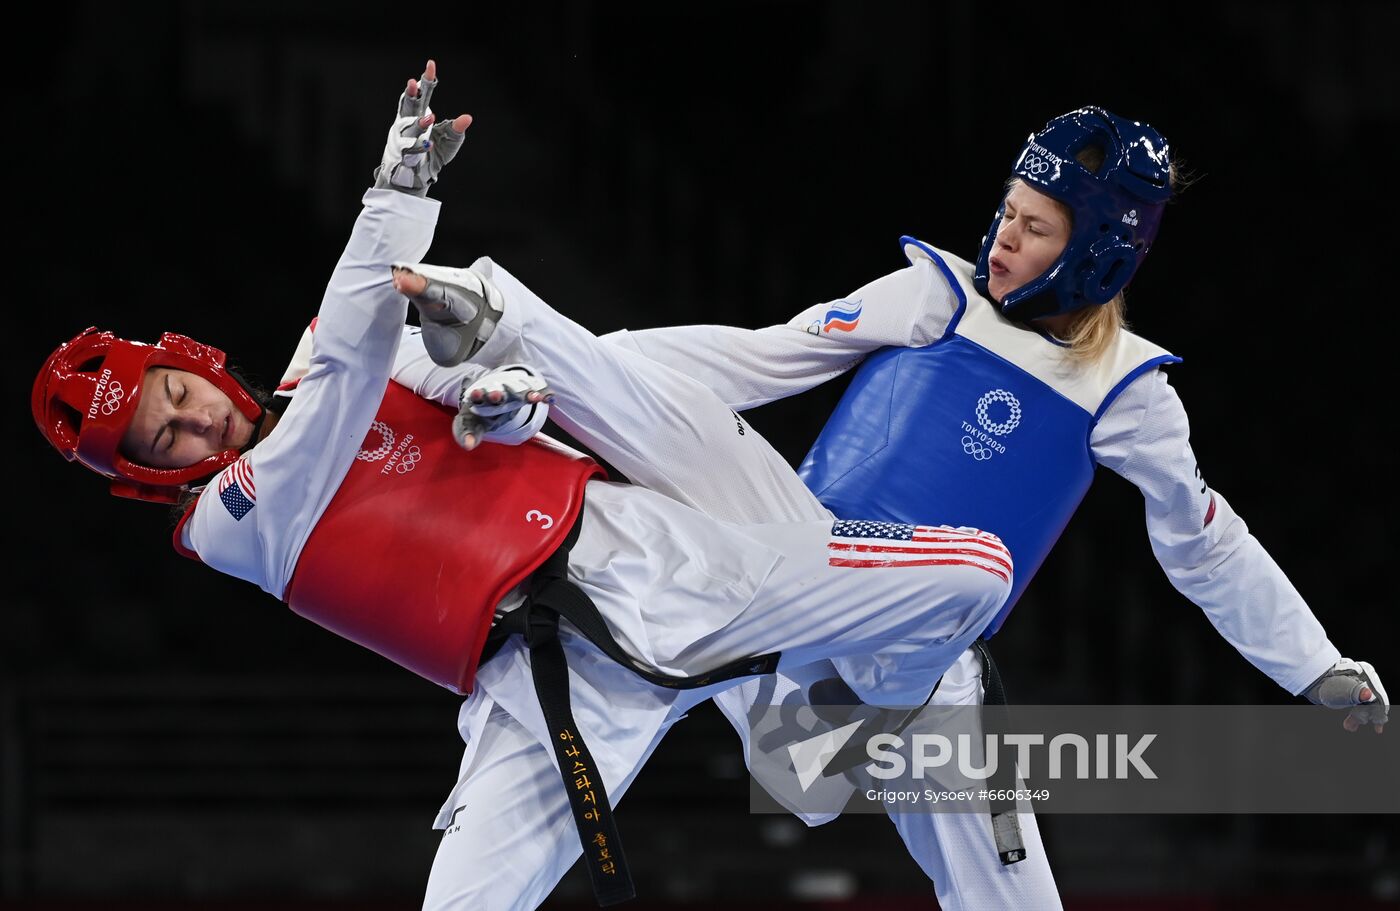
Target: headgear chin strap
[85, 397]
[1117, 209]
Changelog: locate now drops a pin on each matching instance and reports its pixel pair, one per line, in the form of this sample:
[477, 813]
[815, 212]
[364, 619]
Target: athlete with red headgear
[358, 508]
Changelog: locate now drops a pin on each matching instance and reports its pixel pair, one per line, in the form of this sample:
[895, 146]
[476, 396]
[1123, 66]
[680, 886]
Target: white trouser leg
[921, 617]
[957, 850]
[661, 428]
[512, 837]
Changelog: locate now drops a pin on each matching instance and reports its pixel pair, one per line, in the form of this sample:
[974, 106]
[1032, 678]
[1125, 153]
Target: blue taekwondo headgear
[1117, 209]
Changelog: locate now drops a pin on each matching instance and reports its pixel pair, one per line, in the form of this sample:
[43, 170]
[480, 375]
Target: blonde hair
[1095, 329]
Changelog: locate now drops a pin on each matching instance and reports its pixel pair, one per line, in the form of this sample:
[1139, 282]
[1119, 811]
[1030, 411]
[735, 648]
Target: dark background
[172, 736]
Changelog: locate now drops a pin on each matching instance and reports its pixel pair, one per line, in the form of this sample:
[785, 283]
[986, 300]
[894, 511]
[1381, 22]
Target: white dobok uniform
[715, 552]
[1143, 436]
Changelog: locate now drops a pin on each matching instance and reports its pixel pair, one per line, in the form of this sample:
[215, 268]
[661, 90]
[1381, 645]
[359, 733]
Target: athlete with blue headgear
[980, 385]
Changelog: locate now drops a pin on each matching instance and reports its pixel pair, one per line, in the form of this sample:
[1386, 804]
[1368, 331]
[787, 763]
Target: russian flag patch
[843, 315]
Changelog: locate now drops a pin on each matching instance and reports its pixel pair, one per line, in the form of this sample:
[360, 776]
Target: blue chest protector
[956, 434]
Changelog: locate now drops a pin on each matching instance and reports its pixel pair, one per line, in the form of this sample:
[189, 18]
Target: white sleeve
[301, 464]
[416, 371]
[1206, 549]
[413, 368]
[300, 362]
[747, 368]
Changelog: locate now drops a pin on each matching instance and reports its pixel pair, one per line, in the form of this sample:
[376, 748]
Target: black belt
[1006, 827]
[550, 597]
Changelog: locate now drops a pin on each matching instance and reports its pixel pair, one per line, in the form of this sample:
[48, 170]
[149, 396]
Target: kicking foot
[458, 307]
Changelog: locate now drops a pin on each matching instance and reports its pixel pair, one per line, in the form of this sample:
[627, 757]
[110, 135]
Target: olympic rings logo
[1034, 165]
[410, 460]
[976, 450]
[386, 445]
[112, 400]
[1005, 427]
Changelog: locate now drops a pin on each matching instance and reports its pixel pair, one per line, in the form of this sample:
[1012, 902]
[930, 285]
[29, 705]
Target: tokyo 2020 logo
[112, 398]
[998, 412]
[386, 443]
[1001, 428]
[410, 460]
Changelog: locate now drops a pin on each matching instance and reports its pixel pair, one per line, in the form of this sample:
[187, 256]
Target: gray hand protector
[411, 163]
[1348, 685]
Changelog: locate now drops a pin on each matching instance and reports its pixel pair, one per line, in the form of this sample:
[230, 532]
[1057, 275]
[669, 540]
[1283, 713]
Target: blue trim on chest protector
[952, 434]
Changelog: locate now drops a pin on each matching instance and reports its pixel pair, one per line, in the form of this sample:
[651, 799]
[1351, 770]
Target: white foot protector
[459, 308]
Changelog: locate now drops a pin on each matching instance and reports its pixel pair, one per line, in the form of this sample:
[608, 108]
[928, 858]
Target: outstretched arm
[1207, 550]
[297, 469]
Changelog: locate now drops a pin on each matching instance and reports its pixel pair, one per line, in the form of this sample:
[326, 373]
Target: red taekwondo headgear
[85, 397]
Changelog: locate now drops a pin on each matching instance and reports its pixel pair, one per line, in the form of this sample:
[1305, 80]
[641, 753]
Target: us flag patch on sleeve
[875, 545]
[236, 490]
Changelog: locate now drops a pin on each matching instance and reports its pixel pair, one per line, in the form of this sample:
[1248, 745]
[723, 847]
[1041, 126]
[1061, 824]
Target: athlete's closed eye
[168, 427]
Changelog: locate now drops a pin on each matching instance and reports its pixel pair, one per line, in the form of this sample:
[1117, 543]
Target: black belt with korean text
[552, 596]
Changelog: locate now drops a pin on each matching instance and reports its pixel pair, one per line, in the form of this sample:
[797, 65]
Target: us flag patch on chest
[879, 545]
[236, 490]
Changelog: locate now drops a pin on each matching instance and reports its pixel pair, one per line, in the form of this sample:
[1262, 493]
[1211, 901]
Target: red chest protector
[423, 539]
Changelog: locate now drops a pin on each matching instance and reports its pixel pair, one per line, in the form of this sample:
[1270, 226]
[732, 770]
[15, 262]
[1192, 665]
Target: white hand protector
[1354, 685]
[411, 163]
[508, 405]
